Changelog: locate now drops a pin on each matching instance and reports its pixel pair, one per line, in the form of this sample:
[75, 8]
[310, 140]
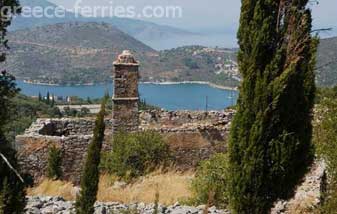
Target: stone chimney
[125, 97]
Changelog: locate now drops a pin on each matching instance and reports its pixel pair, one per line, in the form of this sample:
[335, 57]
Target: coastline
[53, 84]
[213, 85]
[39, 83]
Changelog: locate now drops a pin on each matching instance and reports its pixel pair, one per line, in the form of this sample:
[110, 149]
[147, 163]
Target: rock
[201, 207]
[100, 210]
[33, 210]
[57, 205]
[308, 194]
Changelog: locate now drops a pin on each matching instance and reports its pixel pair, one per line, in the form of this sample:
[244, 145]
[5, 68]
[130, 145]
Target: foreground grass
[53, 188]
[171, 186]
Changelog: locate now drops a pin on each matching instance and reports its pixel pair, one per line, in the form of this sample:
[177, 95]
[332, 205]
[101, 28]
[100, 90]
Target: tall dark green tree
[90, 176]
[40, 97]
[270, 146]
[12, 195]
[48, 98]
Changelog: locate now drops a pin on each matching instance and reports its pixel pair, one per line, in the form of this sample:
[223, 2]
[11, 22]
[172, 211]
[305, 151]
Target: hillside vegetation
[80, 53]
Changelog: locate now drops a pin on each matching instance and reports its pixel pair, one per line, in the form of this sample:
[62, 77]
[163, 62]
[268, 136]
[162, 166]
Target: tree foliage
[270, 145]
[54, 170]
[12, 195]
[211, 180]
[90, 176]
[23, 112]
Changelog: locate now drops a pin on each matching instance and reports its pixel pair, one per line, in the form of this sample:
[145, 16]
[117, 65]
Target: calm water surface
[170, 97]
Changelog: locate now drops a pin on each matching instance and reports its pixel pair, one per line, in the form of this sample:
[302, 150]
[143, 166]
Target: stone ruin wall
[191, 136]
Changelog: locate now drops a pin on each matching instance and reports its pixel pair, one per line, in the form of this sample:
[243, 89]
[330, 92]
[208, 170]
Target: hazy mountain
[75, 53]
[21, 22]
[327, 62]
[71, 53]
[149, 33]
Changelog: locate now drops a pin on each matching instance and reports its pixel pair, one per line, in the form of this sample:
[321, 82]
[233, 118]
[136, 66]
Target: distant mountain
[81, 53]
[327, 62]
[71, 53]
[21, 22]
[147, 32]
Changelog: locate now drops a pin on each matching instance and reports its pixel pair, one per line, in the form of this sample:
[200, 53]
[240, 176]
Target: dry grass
[304, 206]
[54, 188]
[171, 186]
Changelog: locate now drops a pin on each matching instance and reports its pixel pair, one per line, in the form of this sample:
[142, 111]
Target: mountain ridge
[145, 31]
[82, 53]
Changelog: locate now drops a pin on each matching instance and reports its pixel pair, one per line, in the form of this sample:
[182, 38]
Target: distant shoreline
[194, 82]
[153, 83]
[54, 84]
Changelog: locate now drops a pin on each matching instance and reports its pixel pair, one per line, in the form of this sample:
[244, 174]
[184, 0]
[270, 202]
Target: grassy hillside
[197, 63]
[79, 53]
[24, 112]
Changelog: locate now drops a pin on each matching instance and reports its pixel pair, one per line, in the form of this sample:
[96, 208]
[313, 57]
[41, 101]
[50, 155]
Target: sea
[179, 96]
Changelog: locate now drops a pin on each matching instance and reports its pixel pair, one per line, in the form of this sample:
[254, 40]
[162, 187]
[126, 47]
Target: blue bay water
[171, 97]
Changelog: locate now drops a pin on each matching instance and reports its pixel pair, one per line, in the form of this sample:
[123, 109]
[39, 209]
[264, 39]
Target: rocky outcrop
[308, 194]
[57, 205]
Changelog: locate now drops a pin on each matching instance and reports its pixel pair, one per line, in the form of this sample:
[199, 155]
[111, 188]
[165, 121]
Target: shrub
[135, 154]
[210, 184]
[54, 170]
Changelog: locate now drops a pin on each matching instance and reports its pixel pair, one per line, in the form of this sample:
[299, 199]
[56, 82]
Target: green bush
[135, 154]
[210, 184]
[54, 170]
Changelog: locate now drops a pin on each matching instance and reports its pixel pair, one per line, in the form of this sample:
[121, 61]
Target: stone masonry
[191, 135]
[126, 97]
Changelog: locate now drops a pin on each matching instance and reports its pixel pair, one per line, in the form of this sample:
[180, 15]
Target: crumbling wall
[191, 136]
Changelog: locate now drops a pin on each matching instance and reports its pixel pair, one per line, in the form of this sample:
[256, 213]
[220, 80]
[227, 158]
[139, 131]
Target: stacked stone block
[126, 96]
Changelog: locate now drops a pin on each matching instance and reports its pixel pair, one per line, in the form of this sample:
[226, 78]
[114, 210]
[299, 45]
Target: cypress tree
[270, 143]
[48, 98]
[12, 194]
[90, 176]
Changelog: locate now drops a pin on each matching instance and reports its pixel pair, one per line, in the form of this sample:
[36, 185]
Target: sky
[212, 15]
